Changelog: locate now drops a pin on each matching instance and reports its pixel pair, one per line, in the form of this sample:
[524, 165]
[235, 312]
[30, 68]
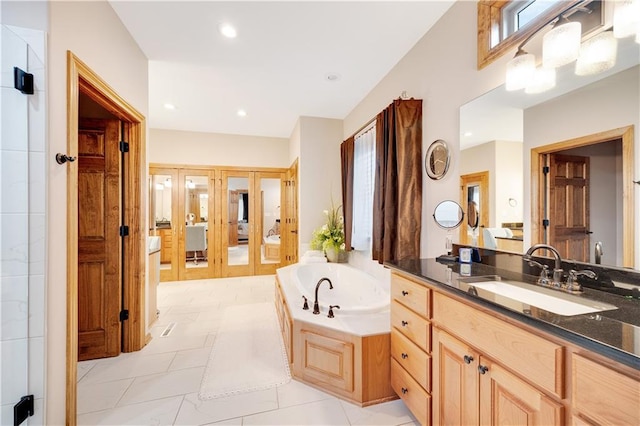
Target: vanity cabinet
[411, 345]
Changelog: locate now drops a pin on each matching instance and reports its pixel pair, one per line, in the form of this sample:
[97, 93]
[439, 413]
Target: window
[364, 158]
[519, 13]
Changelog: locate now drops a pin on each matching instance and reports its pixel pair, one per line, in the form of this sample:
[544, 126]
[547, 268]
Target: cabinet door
[455, 381]
[507, 400]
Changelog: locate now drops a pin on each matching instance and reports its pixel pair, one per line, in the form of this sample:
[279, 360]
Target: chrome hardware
[557, 270]
[316, 306]
[63, 158]
[598, 253]
[330, 315]
[572, 281]
[468, 359]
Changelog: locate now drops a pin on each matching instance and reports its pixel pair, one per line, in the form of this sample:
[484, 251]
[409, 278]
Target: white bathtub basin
[353, 290]
[566, 305]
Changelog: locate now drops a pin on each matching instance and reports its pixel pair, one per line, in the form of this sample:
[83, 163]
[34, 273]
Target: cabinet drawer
[604, 395]
[536, 359]
[418, 401]
[415, 361]
[411, 325]
[411, 294]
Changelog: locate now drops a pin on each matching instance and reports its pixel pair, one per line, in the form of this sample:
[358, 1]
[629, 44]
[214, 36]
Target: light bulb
[519, 70]
[561, 45]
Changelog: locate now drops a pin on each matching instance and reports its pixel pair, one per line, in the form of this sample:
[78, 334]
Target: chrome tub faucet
[316, 306]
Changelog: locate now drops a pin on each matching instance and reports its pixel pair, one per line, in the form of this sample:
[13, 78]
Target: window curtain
[397, 208]
[363, 188]
[346, 158]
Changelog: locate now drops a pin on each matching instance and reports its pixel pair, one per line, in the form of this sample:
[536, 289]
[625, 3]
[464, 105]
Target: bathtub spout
[316, 306]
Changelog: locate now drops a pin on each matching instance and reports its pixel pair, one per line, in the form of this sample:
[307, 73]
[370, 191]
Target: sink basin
[561, 304]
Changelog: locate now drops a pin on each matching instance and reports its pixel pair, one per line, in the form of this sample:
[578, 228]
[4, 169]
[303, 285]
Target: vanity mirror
[595, 118]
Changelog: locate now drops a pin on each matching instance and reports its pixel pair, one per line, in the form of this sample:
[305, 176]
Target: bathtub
[353, 290]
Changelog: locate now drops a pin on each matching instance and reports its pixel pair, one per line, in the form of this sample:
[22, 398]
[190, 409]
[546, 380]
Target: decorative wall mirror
[448, 214]
[436, 162]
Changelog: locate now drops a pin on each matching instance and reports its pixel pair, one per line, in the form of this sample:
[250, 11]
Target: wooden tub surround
[352, 367]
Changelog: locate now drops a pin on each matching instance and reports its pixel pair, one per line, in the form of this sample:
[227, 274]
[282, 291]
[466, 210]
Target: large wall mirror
[594, 117]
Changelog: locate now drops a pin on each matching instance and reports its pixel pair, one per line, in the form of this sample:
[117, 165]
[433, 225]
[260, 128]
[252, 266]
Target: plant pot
[336, 256]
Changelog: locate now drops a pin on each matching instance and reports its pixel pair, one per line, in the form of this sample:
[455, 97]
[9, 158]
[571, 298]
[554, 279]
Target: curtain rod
[368, 123]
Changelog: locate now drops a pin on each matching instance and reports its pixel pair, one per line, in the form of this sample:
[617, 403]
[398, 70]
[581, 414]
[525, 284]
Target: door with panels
[238, 223]
[163, 218]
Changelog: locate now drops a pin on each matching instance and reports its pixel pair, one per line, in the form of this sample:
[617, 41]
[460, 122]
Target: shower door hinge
[124, 315]
[23, 410]
[124, 146]
[545, 170]
[23, 81]
[124, 231]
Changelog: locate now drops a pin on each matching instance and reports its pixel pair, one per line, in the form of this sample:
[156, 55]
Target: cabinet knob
[405, 293]
[405, 390]
[468, 359]
[482, 369]
[404, 323]
[405, 356]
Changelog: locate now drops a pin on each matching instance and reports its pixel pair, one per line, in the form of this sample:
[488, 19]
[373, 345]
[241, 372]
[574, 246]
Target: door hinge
[545, 223]
[124, 231]
[124, 146]
[22, 410]
[23, 81]
[124, 315]
[545, 170]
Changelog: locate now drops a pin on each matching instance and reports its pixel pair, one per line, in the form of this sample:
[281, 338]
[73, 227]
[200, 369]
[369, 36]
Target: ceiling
[277, 67]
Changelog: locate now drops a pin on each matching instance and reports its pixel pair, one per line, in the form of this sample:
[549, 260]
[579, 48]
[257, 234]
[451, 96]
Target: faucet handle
[306, 304]
[572, 280]
[330, 315]
[544, 278]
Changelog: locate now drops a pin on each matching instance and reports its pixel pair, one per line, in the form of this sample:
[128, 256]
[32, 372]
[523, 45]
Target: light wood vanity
[457, 362]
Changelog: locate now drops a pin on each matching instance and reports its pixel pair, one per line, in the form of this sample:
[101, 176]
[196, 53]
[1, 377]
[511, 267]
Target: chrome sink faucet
[573, 285]
[316, 306]
[556, 281]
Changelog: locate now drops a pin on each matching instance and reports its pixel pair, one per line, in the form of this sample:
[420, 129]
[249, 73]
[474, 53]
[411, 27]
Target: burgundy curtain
[346, 157]
[397, 199]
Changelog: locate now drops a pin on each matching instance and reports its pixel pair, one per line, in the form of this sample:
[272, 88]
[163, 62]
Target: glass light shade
[519, 71]
[597, 54]
[626, 18]
[561, 45]
[542, 80]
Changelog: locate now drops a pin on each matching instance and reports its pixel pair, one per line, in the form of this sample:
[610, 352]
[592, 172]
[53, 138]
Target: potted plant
[330, 237]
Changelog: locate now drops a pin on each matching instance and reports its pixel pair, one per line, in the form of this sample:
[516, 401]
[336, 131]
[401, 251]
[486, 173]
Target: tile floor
[159, 385]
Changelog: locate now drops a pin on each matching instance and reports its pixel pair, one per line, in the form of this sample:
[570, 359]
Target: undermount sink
[560, 303]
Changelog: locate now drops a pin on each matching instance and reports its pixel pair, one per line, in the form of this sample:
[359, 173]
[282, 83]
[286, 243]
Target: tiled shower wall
[22, 224]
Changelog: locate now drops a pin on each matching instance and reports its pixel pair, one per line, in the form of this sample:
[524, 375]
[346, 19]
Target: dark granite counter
[612, 333]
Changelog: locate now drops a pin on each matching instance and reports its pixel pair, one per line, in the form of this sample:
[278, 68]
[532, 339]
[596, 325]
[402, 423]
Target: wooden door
[290, 216]
[268, 200]
[569, 206]
[507, 400]
[234, 198]
[166, 218]
[455, 381]
[99, 246]
[239, 246]
[477, 209]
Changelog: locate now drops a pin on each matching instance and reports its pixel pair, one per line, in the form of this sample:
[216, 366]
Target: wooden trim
[80, 78]
[217, 167]
[626, 134]
[482, 178]
[489, 17]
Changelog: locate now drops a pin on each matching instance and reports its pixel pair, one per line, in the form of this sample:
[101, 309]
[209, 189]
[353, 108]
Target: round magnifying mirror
[448, 214]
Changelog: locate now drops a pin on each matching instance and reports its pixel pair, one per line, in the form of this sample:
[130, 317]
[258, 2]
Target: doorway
[474, 196]
[81, 79]
[541, 197]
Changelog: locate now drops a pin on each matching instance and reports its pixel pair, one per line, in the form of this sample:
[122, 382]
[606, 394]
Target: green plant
[331, 234]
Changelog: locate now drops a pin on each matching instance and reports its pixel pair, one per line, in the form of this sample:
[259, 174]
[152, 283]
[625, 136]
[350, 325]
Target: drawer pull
[468, 359]
[404, 390]
[405, 356]
[405, 323]
[405, 293]
[482, 369]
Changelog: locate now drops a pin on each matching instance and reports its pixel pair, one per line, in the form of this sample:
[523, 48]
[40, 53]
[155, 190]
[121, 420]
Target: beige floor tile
[160, 412]
[100, 396]
[156, 386]
[197, 411]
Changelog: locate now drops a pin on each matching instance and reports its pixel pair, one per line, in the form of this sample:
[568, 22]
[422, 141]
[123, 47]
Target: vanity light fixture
[520, 70]
[597, 54]
[626, 19]
[561, 45]
[189, 184]
[542, 80]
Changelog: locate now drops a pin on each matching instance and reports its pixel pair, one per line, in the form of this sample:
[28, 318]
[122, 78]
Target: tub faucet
[557, 270]
[316, 307]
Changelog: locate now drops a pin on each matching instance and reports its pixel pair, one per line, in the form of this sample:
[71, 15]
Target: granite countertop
[611, 333]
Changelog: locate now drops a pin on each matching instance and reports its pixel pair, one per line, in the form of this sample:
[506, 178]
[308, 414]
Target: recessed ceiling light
[169, 106]
[228, 30]
[467, 134]
[332, 77]
[242, 113]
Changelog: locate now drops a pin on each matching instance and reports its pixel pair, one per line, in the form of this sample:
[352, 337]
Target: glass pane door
[237, 223]
[164, 221]
[269, 251]
[195, 236]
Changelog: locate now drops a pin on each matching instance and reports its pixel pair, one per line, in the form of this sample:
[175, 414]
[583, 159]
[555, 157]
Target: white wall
[196, 148]
[94, 33]
[508, 183]
[320, 173]
[574, 115]
[440, 69]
